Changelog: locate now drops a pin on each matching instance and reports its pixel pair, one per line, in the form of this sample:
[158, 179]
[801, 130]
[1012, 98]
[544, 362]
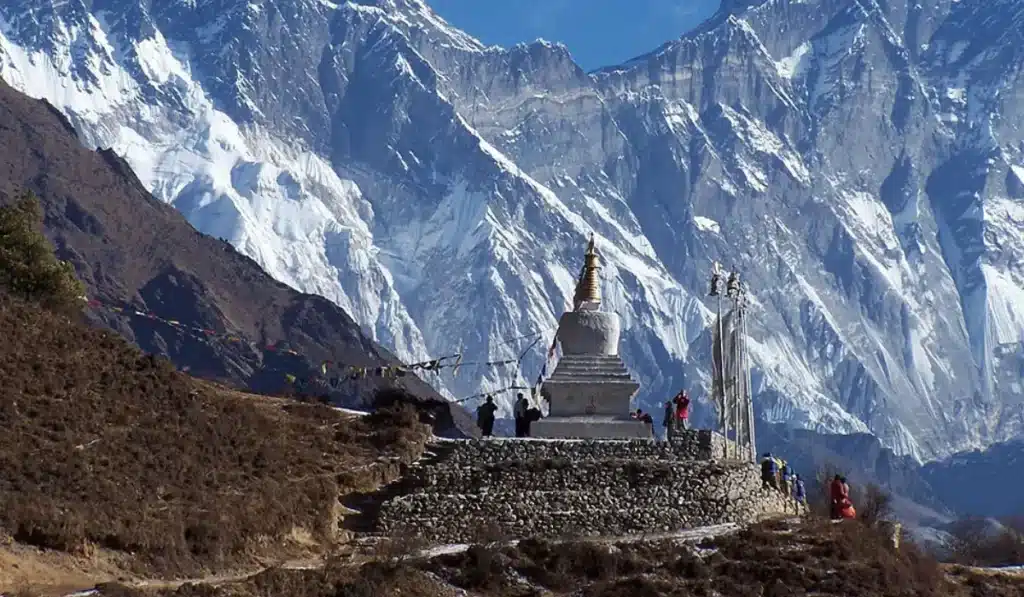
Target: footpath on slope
[317, 564]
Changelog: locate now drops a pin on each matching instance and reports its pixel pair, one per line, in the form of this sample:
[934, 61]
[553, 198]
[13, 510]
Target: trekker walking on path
[785, 476]
[769, 471]
[670, 421]
[682, 401]
[799, 493]
[519, 411]
[485, 416]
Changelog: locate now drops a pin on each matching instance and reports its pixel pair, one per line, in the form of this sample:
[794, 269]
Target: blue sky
[597, 32]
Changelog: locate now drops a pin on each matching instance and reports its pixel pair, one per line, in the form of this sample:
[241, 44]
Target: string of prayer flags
[455, 362]
[194, 331]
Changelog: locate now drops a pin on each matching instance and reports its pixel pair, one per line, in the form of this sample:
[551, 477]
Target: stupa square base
[591, 428]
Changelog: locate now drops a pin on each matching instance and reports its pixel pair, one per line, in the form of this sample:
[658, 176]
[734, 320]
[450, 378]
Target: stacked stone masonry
[566, 488]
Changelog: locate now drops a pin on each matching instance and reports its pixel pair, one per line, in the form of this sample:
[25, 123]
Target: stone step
[591, 370]
[578, 367]
[590, 366]
[590, 358]
[596, 380]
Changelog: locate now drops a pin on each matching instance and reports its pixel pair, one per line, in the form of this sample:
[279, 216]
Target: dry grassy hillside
[108, 453]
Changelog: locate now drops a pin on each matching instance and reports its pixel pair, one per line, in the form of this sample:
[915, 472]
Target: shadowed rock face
[981, 483]
[858, 161]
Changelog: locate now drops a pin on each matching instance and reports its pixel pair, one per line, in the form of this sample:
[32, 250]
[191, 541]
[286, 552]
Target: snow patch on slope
[1005, 299]
[795, 64]
[1018, 172]
[871, 224]
[706, 224]
[764, 143]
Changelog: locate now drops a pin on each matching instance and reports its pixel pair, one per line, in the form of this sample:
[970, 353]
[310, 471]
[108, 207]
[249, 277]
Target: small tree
[973, 542]
[28, 267]
[874, 504]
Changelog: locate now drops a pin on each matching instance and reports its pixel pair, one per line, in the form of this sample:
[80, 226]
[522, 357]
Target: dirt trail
[24, 569]
[216, 579]
[687, 535]
[51, 573]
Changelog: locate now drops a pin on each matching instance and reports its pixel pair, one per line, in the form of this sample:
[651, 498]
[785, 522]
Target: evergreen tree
[28, 267]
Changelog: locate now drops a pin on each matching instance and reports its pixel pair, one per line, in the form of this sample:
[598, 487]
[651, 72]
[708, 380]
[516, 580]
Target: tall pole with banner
[718, 356]
[731, 385]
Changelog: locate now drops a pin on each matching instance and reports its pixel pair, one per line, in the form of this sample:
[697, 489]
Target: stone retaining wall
[562, 488]
[693, 444]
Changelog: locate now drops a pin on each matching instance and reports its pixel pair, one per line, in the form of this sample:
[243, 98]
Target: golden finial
[588, 288]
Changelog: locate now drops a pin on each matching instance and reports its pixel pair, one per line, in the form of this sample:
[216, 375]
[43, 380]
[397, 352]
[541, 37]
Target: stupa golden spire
[588, 288]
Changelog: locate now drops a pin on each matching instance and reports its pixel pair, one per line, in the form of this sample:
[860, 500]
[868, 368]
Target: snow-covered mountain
[861, 162]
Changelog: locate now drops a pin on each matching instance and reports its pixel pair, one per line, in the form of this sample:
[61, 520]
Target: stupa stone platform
[556, 488]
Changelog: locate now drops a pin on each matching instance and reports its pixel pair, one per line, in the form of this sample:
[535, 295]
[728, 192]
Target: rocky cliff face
[859, 161]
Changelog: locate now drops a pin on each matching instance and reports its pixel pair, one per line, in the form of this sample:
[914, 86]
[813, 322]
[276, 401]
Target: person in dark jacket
[519, 411]
[640, 415]
[485, 416]
[533, 415]
[670, 421]
[769, 470]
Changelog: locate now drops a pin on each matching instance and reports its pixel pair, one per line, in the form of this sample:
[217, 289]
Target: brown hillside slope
[129, 248]
[105, 449]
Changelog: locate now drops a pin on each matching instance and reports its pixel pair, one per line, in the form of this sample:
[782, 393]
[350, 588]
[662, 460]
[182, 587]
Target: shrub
[873, 504]
[28, 267]
[974, 543]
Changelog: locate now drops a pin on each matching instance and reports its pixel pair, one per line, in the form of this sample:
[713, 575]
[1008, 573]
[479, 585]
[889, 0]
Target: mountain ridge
[395, 152]
[139, 254]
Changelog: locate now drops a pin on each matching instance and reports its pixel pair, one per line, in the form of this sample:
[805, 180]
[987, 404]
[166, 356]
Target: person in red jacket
[682, 401]
[839, 496]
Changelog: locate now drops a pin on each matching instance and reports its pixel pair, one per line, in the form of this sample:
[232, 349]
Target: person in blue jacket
[799, 493]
